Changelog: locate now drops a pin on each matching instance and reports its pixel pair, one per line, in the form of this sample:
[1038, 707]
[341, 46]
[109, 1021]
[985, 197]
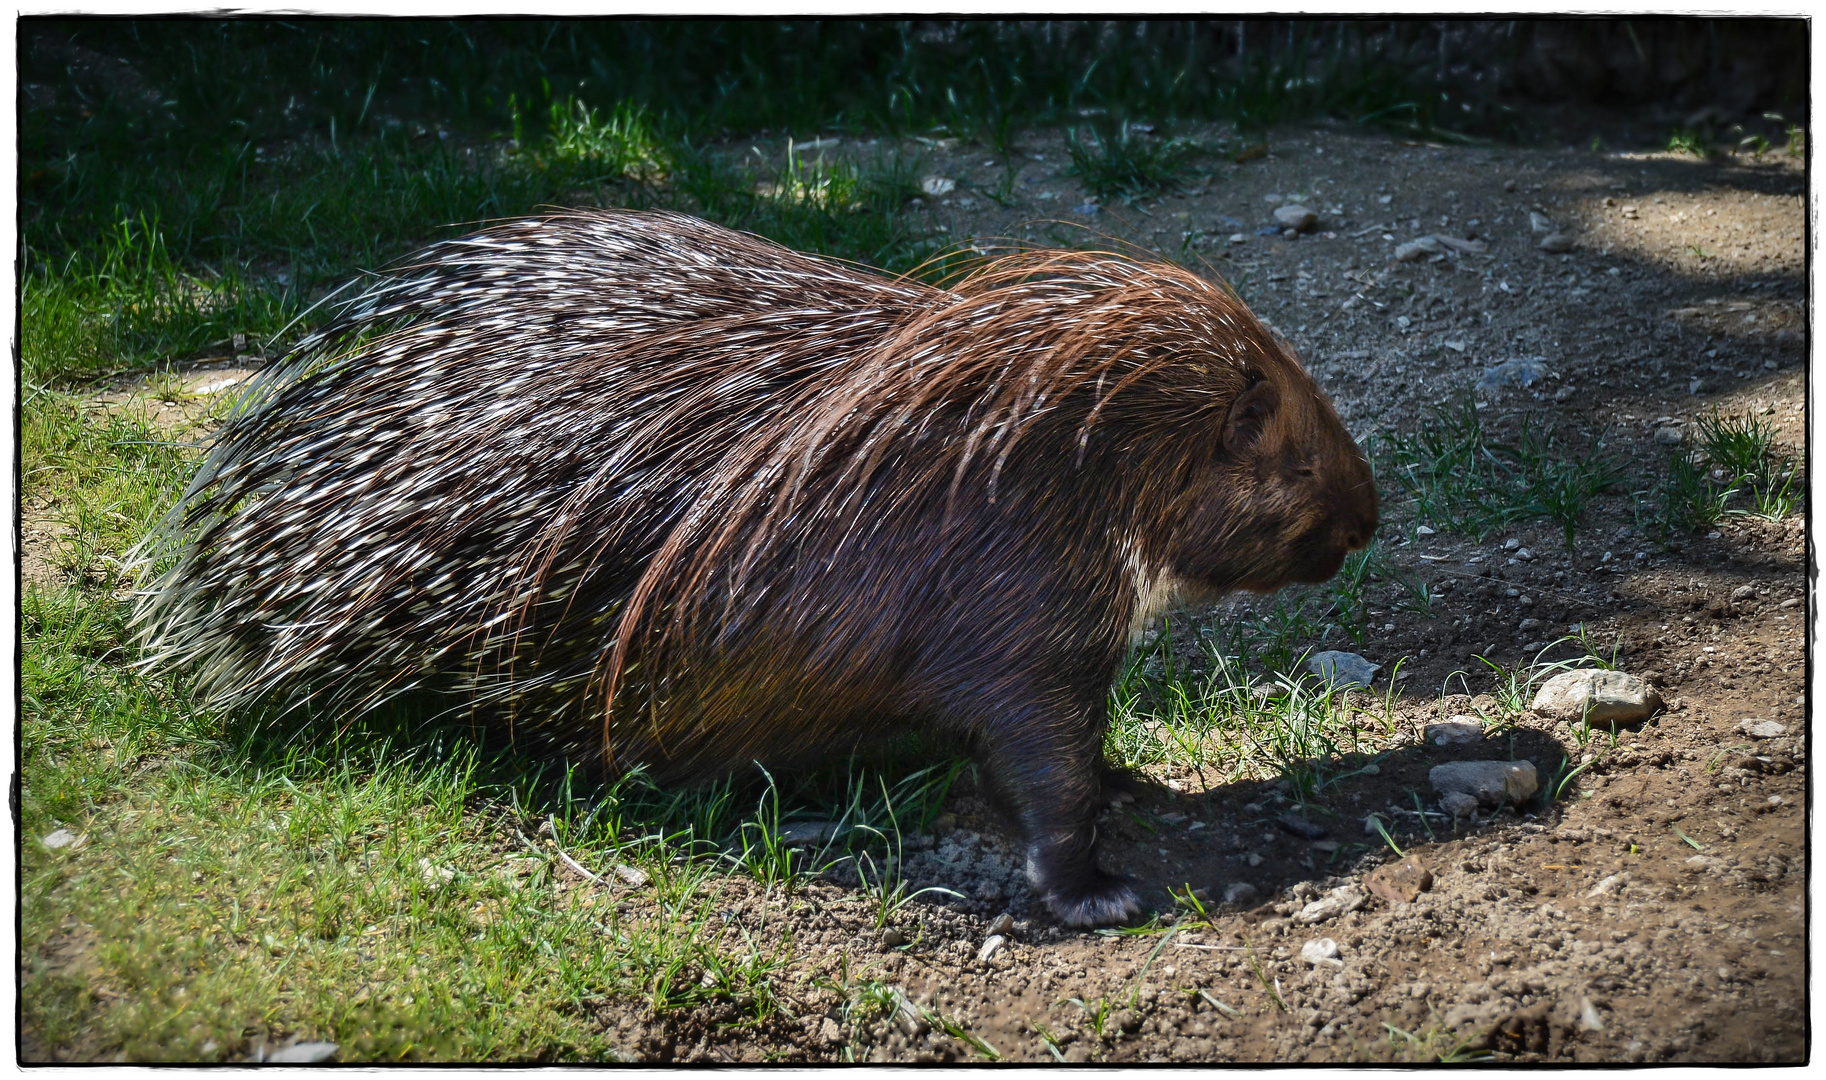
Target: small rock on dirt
[1240, 894]
[1669, 436]
[62, 838]
[806, 833]
[1399, 883]
[1330, 906]
[1300, 827]
[1742, 593]
[1321, 951]
[1417, 249]
[630, 875]
[1539, 222]
[1555, 243]
[1003, 924]
[892, 938]
[937, 185]
[1455, 732]
[1761, 729]
[1606, 697]
[1344, 670]
[1489, 782]
[1458, 804]
[990, 948]
[1295, 216]
[1523, 371]
[304, 1053]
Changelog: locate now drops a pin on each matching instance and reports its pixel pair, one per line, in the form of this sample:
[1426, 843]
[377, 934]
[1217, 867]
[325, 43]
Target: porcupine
[633, 485]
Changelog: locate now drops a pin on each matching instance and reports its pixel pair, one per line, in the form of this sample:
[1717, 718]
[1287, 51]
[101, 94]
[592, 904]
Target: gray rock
[1418, 248]
[1003, 924]
[1523, 371]
[937, 185]
[1238, 238]
[990, 947]
[1539, 222]
[1742, 593]
[1489, 782]
[1458, 804]
[1455, 732]
[1321, 951]
[1699, 386]
[892, 938]
[304, 1053]
[1669, 436]
[1605, 697]
[633, 876]
[1761, 729]
[1295, 216]
[807, 833]
[1343, 670]
[1240, 894]
[1555, 243]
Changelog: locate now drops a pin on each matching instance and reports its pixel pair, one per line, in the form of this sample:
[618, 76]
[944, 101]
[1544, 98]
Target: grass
[1735, 467]
[1455, 475]
[1122, 161]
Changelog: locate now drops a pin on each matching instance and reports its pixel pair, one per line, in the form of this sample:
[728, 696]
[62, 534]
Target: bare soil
[1655, 915]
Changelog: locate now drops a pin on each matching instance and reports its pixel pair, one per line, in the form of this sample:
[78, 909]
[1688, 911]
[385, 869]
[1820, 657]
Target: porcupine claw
[1099, 901]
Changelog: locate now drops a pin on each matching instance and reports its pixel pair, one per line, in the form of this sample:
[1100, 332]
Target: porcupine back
[631, 482]
[452, 483]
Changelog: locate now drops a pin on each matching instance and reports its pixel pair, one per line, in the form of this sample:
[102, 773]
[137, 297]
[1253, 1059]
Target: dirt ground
[1658, 915]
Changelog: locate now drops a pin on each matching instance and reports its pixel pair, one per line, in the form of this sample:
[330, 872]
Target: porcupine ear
[1249, 415]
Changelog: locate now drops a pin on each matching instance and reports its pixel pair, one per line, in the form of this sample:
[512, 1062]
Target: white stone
[1295, 216]
[1321, 951]
[1603, 697]
[1455, 732]
[1761, 729]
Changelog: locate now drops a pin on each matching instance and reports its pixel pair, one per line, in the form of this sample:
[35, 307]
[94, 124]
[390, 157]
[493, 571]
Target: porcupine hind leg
[1051, 773]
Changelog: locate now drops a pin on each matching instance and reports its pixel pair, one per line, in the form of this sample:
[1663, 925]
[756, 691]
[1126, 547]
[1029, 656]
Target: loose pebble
[1761, 729]
[1345, 670]
[1520, 371]
[937, 185]
[1742, 593]
[1330, 906]
[1603, 697]
[62, 838]
[1295, 216]
[892, 938]
[304, 1053]
[991, 947]
[1458, 804]
[1240, 894]
[1300, 827]
[1003, 925]
[1321, 951]
[632, 876]
[1455, 732]
[1555, 243]
[1400, 882]
[1669, 436]
[1489, 782]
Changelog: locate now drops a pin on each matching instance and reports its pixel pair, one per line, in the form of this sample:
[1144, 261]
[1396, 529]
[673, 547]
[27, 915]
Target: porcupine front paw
[1098, 900]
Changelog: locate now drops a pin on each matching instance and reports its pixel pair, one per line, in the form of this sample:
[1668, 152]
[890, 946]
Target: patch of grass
[1456, 476]
[1735, 467]
[1121, 161]
[1227, 724]
[1683, 141]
